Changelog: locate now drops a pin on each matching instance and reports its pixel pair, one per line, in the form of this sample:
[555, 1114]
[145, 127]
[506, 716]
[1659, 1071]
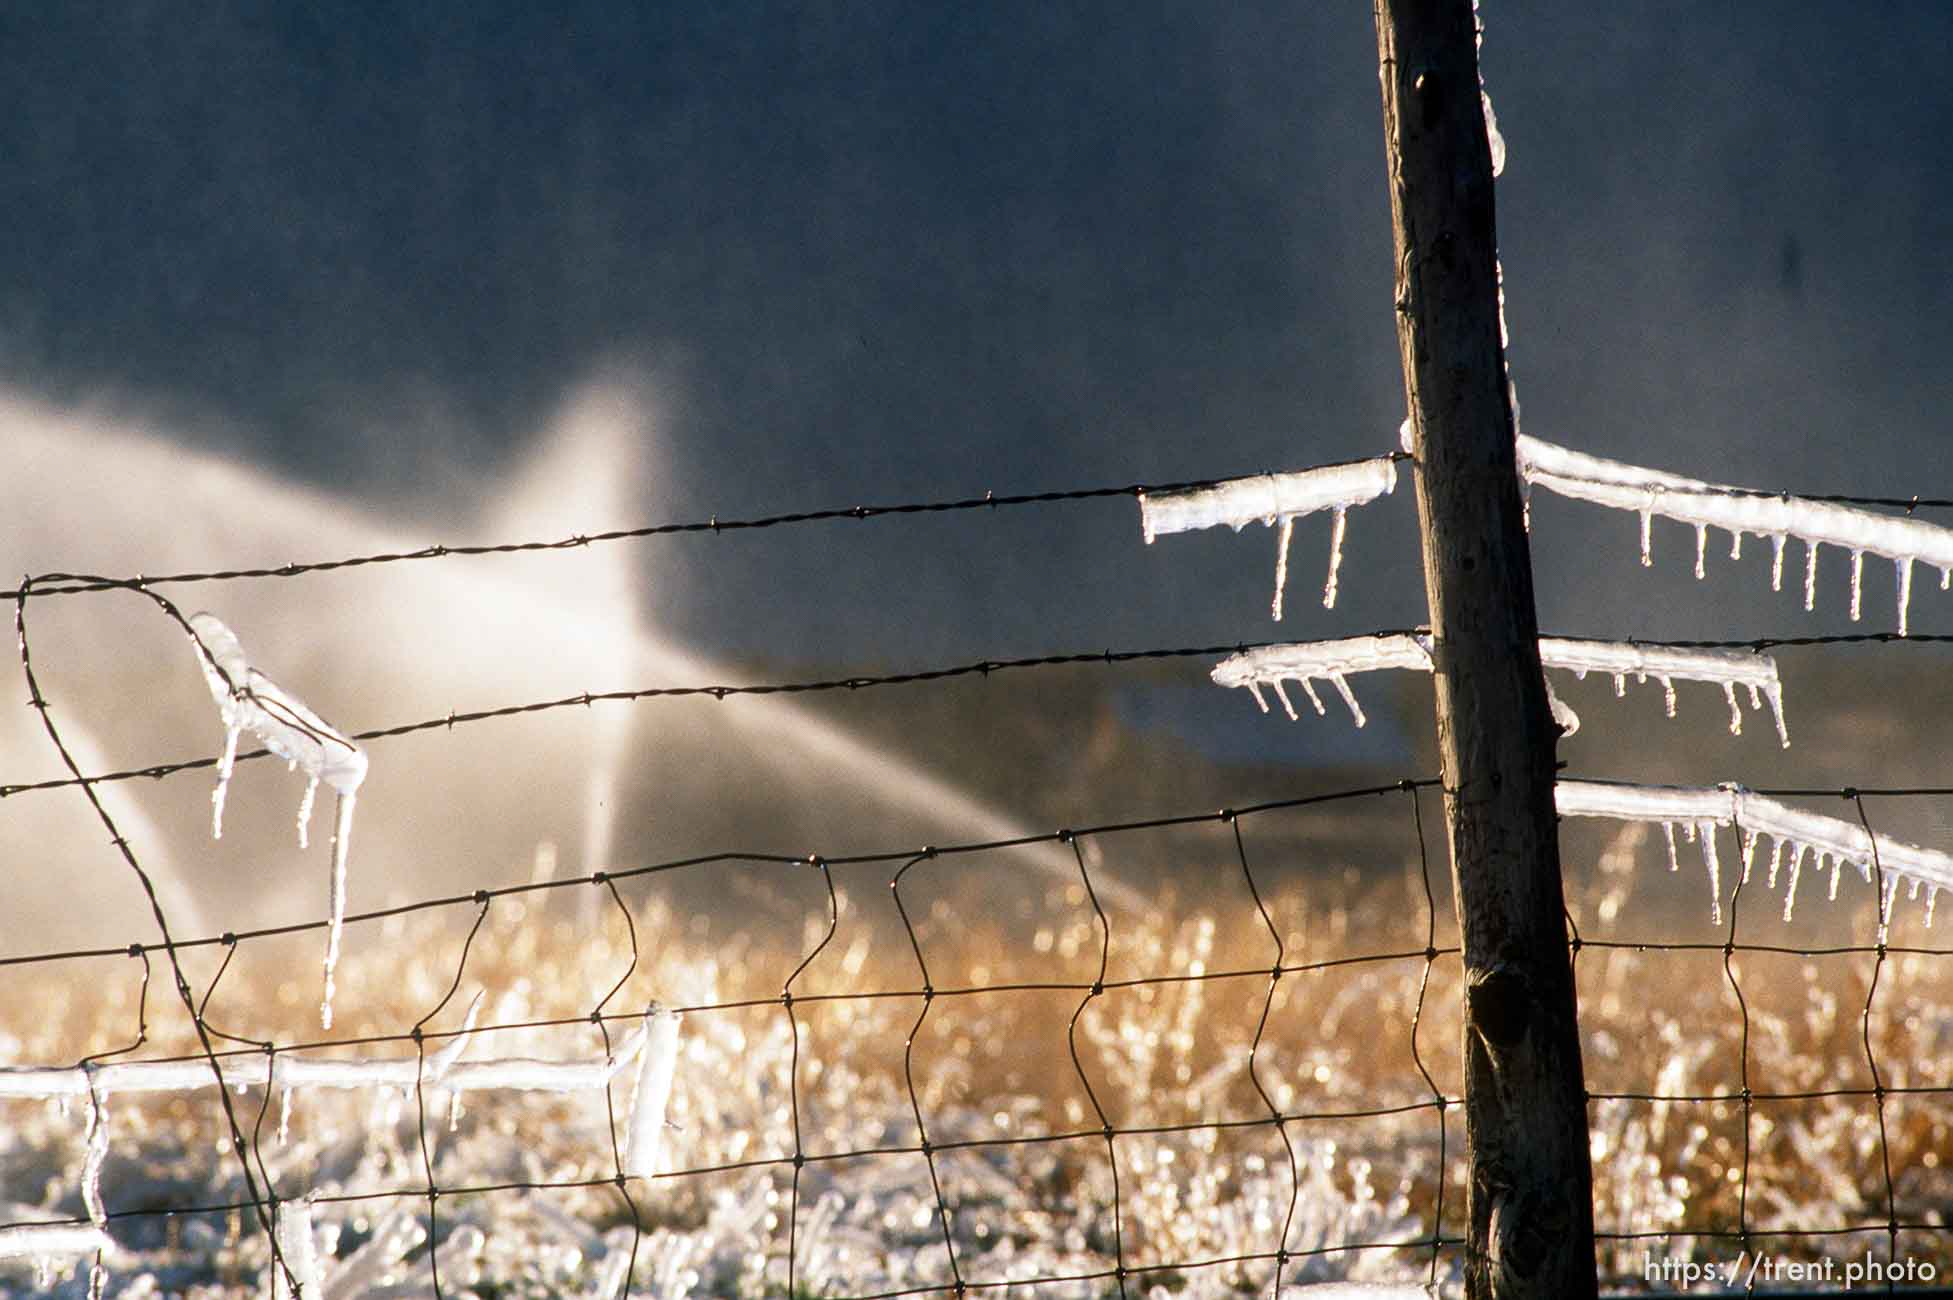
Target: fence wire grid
[1109, 1165]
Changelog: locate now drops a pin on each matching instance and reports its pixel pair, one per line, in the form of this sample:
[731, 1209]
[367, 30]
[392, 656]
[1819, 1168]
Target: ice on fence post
[247, 700]
[653, 1096]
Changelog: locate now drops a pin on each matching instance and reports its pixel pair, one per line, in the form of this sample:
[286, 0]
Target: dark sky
[877, 251]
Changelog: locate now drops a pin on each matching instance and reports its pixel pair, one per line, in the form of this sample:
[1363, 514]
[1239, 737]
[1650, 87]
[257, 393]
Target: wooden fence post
[1530, 1205]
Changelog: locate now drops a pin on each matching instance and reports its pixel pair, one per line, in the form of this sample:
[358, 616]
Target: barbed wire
[871, 681]
[70, 584]
[65, 584]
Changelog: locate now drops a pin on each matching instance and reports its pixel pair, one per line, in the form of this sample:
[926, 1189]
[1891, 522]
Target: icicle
[1647, 526]
[1774, 693]
[298, 1246]
[1777, 849]
[1857, 582]
[1708, 830]
[1790, 886]
[91, 1165]
[1736, 544]
[1668, 836]
[1620, 686]
[1282, 695]
[1904, 565]
[653, 1096]
[1341, 683]
[1776, 561]
[1668, 695]
[1885, 906]
[1837, 874]
[1701, 550]
[454, 1111]
[1932, 896]
[225, 765]
[305, 811]
[1337, 527]
[1254, 689]
[1309, 689]
[1810, 574]
[1735, 709]
[1945, 576]
[1749, 853]
[342, 834]
[284, 1115]
[1281, 561]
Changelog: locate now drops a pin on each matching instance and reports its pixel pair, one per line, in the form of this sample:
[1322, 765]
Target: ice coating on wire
[247, 700]
[1755, 671]
[1796, 834]
[1273, 499]
[1647, 492]
[1332, 661]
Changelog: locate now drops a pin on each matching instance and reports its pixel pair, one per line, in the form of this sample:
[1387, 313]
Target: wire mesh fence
[935, 1070]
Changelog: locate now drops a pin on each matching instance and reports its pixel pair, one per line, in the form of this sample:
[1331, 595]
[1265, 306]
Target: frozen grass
[991, 1066]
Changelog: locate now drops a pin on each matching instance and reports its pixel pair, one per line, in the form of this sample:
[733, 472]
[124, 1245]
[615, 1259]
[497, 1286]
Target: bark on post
[1530, 1205]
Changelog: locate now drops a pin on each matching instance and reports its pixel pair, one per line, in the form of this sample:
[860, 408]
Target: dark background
[874, 251]
[880, 252]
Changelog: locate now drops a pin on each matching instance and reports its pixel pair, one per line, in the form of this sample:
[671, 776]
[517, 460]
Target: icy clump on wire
[1753, 670]
[1272, 499]
[1795, 834]
[1312, 661]
[1647, 492]
[1332, 661]
[247, 700]
[654, 1072]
